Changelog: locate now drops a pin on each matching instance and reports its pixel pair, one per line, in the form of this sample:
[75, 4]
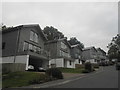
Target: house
[60, 53]
[76, 53]
[101, 55]
[90, 54]
[24, 44]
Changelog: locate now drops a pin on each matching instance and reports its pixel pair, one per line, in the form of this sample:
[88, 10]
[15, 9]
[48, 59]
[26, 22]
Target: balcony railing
[40, 52]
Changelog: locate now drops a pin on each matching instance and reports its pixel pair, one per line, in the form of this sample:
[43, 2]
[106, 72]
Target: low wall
[12, 67]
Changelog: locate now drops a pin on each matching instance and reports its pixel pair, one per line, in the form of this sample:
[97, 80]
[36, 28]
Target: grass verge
[17, 79]
[71, 70]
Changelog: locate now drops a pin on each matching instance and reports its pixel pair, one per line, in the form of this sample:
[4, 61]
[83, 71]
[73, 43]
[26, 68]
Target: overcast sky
[92, 23]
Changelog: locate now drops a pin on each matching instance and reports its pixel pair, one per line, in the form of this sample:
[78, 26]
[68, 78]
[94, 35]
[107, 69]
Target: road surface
[106, 77]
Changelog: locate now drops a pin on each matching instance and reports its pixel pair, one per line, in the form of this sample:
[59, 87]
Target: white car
[30, 67]
[41, 69]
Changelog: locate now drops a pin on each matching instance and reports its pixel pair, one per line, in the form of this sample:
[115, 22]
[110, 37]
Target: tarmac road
[107, 77]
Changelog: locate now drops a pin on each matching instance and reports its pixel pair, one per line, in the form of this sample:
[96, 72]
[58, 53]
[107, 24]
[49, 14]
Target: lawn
[71, 70]
[18, 79]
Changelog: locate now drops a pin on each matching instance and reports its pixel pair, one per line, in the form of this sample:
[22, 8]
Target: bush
[40, 79]
[95, 65]
[54, 73]
[88, 66]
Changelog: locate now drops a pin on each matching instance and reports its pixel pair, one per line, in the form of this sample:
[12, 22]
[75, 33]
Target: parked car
[118, 66]
[41, 69]
[31, 68]
[103, 64]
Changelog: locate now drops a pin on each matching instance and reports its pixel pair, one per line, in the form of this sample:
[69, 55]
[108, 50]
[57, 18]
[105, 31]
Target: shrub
[95, 65]
[54, 73]
[39, 79]
[88, 66]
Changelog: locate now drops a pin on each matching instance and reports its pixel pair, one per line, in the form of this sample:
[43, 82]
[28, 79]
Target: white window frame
[34, 36]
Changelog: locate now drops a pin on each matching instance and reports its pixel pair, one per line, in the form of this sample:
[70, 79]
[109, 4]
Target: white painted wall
[8, 59]
[72, 64]
[77, 61]
[91, 61]
[59, 62]
[19, 59]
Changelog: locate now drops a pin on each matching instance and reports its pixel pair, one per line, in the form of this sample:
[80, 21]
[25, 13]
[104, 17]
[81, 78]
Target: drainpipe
[56, 54]
[16, 45]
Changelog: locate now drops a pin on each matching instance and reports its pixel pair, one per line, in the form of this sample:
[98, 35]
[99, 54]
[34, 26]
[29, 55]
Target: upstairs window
[3, 45]
[28, 46]
[33, 36]
[25, 46]
[63, 46]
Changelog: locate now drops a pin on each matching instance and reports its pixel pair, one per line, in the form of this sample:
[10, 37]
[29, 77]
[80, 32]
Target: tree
[114, 47]
[74, 41]
[52, 33]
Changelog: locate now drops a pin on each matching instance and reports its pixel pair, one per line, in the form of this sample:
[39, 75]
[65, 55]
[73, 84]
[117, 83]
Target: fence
[12, 67]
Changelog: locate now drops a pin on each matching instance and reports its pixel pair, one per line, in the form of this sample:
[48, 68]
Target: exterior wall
[19, 59]
[76, 53]
[61, 63]
[86, 54]
[93, 53]
[70, 66]
[52, 48]
[15, 39]
[65, 50]
[89, 54]
[58, 62]
[77, 61]
[25, 36]
[8, 59]
[10, 39]
[101, 55]
[92, 61]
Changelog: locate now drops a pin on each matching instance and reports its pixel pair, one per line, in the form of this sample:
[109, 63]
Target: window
[33, 36]
[30, 46]
[60, 53]
[63, 45]
[79, 60]
[36, 37]
[25, 46]
[70, 62]
[3, 45]
[95, 60]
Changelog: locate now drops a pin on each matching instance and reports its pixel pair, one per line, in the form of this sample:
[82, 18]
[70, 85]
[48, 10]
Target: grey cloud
[92, 23]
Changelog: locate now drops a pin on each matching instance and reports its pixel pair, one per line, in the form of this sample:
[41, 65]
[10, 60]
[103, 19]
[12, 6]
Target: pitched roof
[77, 45]
[88, 48]
[99, 49]
[10, 29]
[57, 40]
